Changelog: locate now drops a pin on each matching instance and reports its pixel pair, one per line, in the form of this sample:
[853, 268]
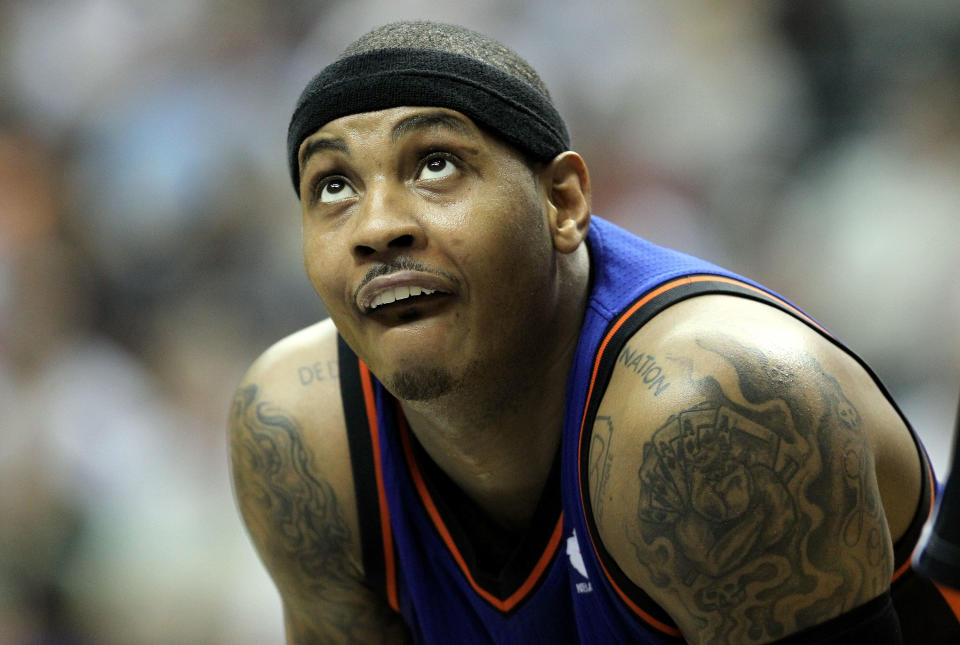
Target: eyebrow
[314, 146]
[404, 127]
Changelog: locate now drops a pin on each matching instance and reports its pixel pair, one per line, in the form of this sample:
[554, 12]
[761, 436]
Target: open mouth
[403, 295]
[405, 304]
[403, 292]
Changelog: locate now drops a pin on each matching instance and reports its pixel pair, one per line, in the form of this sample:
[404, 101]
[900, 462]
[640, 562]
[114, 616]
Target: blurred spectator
[874, 219]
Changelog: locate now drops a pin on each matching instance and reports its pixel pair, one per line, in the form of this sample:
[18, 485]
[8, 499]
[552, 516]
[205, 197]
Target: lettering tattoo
[645, 366]
[757, 507]
[295, 518]
[318, 372]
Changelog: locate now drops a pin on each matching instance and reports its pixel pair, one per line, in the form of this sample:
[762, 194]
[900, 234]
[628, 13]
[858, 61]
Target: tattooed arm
[734, 472]
[291, 471]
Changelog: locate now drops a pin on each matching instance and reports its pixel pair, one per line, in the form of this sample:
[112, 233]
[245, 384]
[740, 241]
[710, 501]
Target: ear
[567, 185]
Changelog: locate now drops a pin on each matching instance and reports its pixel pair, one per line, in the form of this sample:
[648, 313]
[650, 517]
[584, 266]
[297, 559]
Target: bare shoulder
[293, 482]
[289, 402]
[300, 366]
[743, 469]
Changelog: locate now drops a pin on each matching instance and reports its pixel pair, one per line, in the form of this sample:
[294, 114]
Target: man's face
[429, 244]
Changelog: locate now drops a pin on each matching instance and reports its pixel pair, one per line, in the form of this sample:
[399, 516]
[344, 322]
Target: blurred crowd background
[149, 243]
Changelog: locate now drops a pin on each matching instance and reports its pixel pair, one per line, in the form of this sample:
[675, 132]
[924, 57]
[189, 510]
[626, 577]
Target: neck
[497, 446]
[497, 437]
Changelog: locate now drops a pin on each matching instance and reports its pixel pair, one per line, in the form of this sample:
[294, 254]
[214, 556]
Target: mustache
[402, 263]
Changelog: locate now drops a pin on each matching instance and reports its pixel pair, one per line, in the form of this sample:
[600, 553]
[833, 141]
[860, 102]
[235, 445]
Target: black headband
[497, 101]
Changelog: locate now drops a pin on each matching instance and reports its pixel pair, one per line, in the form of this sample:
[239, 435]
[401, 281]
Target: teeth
[398, 293]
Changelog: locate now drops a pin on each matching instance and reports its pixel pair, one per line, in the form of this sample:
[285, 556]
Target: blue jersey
[558, 585]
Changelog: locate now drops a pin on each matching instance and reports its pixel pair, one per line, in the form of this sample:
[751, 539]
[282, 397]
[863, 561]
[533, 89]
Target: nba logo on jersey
[576, 561]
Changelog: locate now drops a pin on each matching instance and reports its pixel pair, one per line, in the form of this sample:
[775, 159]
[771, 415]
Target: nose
[386, 223]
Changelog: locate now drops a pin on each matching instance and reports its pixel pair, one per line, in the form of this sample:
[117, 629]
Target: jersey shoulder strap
[658, 298]
[363, 436]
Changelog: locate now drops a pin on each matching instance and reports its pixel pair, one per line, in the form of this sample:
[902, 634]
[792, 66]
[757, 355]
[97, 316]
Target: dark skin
[296, 517]
[756, 489]
[815, 479]
[445, 207]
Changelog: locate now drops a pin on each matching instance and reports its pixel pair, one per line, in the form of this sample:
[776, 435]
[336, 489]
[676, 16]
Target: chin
[421, 383]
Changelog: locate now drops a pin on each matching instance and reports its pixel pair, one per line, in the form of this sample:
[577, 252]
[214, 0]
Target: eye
[333, 189]
[436, 167]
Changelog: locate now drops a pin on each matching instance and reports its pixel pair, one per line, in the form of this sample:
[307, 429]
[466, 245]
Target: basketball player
[522, 424]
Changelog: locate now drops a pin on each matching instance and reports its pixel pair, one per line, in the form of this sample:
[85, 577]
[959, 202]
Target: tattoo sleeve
[295, 519]
[758, 509]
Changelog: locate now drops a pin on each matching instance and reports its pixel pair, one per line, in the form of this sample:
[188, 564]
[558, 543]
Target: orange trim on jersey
[388, 557]
[524, 590]
[663, 627]
[951, 596]
[668, 287]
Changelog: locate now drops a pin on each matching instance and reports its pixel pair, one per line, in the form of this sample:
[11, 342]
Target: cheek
[458, 238]
[507, 228]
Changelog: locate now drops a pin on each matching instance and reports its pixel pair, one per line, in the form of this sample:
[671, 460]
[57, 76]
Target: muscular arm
[295, 496]
[754, 510]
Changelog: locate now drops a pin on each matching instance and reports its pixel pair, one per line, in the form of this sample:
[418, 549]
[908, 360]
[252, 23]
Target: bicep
[740, 492]
[294, 513]
[302, 524]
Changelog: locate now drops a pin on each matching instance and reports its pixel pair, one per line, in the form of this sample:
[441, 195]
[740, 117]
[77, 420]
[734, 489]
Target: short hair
[453, 39]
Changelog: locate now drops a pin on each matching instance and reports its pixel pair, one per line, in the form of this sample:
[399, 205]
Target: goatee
[421, 384]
